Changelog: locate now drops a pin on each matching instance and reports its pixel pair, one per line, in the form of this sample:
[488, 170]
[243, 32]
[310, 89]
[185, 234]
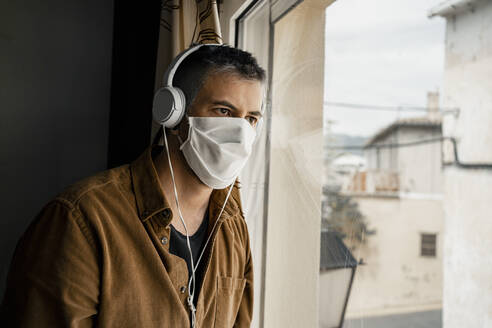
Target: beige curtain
[191, 21]
[184, 22]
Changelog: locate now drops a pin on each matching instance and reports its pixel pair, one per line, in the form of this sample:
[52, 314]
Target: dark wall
[55, 79]
[76, 87]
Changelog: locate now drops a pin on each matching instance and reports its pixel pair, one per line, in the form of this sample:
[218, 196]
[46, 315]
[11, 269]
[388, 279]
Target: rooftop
[451, 7]
[424, 121]
[334, 253]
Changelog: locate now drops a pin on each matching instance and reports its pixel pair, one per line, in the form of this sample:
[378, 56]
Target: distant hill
[344, 140]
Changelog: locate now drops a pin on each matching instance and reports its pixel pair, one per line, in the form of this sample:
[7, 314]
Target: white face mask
[217, 148]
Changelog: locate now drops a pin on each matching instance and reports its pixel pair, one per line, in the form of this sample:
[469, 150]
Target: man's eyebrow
[228, 104]
[256, 113]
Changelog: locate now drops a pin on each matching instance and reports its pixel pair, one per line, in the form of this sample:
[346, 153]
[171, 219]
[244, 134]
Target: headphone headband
[173, 67]
[169, 102]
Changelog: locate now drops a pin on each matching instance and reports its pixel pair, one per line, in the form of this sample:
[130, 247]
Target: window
[283, 179]
[390, 211]
[428, 244]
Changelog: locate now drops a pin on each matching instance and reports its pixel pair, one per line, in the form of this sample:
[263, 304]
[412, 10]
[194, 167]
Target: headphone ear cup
[169, 106]
[179, 108]
[163, 105]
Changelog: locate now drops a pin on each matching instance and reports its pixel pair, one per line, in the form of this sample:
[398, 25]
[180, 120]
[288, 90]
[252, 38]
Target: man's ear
[181, 129]
[174, 131]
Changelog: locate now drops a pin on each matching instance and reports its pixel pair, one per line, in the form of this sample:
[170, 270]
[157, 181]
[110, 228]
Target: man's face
[228, 95]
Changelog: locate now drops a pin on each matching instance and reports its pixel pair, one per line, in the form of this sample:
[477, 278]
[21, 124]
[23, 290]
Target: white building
[404, 157]
[349, 163]
[344, 166]
[467, 297]
[400, 195]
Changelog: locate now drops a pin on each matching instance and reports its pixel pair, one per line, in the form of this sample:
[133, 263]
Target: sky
[380, 52]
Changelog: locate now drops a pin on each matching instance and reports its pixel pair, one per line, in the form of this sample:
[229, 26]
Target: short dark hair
[207, 60]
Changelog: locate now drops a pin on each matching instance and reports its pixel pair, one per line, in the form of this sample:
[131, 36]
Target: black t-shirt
[178, 246]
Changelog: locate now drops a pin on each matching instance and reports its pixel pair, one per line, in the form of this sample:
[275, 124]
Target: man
[114, 250]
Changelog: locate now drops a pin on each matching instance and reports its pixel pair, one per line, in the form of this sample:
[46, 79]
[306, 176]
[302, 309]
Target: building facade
[467, 297]
[400, 197]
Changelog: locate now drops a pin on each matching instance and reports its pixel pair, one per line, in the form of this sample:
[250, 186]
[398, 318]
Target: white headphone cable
[191, 286]
[190, 299]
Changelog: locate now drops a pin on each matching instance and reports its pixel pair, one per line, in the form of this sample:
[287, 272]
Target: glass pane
[254, 37]
[383, 191]
[294, 189]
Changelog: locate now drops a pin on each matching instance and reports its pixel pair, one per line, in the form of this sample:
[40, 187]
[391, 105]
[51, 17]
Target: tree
[340, 213]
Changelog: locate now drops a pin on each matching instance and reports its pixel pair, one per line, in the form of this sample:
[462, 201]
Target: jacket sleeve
[245, 313]
[53, 279]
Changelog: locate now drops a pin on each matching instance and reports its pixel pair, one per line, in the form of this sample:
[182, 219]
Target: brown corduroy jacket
[98, 255]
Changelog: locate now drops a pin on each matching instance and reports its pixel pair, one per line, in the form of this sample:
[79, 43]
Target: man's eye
[223, 111]
[252, 120]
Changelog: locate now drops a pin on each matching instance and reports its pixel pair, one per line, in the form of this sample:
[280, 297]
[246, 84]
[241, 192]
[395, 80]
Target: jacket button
[166, 213]
[182, 289]
[164, 240]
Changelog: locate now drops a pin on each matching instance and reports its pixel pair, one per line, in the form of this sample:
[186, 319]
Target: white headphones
[169, 102]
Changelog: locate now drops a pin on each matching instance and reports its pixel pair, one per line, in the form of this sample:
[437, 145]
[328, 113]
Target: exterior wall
[419, 166]
[389, 156]
[371, 156]
[336, 281]
[395, 278]
[467, 296]
[467, 299]
[384, 158]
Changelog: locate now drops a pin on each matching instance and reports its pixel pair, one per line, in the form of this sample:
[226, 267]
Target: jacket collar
[148, 192]
[150, 197]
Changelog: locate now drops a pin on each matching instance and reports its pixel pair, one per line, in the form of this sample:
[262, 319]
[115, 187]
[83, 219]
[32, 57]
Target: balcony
[373, 182]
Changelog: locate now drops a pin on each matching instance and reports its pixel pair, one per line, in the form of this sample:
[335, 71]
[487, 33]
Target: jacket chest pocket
[228, 298]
